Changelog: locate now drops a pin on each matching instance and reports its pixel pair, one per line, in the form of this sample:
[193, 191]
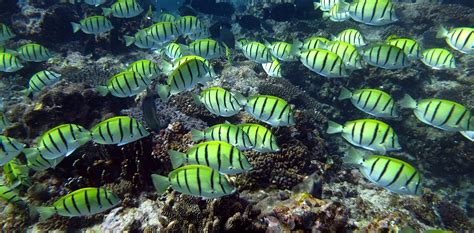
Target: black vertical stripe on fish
[466, 39]
[367, 99]
[186, 180]
[86, 198]
[120, 129]
[435, 112]
[198, 177]
[361, 135]
[461, 117]
[212, 181]
[418, 184]
[219, 162]
[225, 100]
[107, 125]
[71, 130]
[138, 128]
[374, 136]
[177, 180]
[360, 97]
[283, 111]
[97, 197]
[353, 131]
[263, 107]
[217, 101]
[254, 105]
[324, 61]
[220, 133]
[54, 143]
[385, 135]
[65, 206]
[376, 102]
[107, 197]
[228, 135]
[449, 115]
[400, 170]
[206, 154]
[221, 185]
[426, 109]
[384, 170]
[196, 156]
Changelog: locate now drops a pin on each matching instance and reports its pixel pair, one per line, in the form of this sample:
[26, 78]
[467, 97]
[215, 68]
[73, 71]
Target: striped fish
[283, 51]
[195, 180]
[261, 138]
[371, 101]
[369, 134]
[373, 12]
[220, 101]
[390, 173]
[63, 140]
[273, 69]
[9, 63]
[188, 25]
[337, 14]
[442, 114]
[93, 25]
[173, 50]
[218, 155]
[33, 53]
[256, 51]
[348, 53]
[271, 110]
[314, 42]
[16, 173]
[4, 122]
[351, 36]
[119, 130]
[41, 80]
[9, 149]
[226, 132]
[162, 32]
[82, 202]
[125, 84]
[411, 47]
[325, 5]
[438, 59]
[460, 39]
[141, 40]
[36, 160]
[385, 56]
[145, 68]
[165, 17]
[124, 9]
[324, 63]
[208, 48]
[5, 33]
[11, 196]
[168, 68]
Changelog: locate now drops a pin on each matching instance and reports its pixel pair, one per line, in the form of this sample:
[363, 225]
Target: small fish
[460, 39]
[41, 80]
[95, 3]
[217, 155]
[369, 134]
[336, 14]
[11, 196]
[9, 63]
[33, 53]
[36, 160]
[220, 101]
[188, 25]
[4, 122]
[411, 47]
[125, 84]
[63, 140]
[9, 149]
[93, 25]
[324, 63]
[283, 51]
[372, 12]
[325, 5]
[119, 130]
[273, 69]
[271, 110]
[438, 59]
[195, 180]
[261, 138]
[348, 53]
[173, 50]
[141, 40]
[372, 101]
[314, 42]
[385, 56]
[165, 17]
[256, 51]
[5, 33]
[124, 9]
[16, 173]
[393, 174]
[442, 114]
[82, 202]
[351, 36]
[208, 48]
[226, 132]
[145, 68]
[162, 32]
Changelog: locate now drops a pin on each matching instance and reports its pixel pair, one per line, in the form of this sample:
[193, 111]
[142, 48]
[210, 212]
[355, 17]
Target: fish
[372, 101]
[95, 3]
[314, 42]
[220, 101]
[9, 63]
[283, 51]
[9, 195]
[195, 180]
[411, 47]
[95, 25]
[150, 112]
[324, 63]
[369, 134]
[124, 9]
[208, 48]
[273, 69]
[218, 155]
[162, 32]
[82, 202]
[189, 24]
[335, 14]
[4, 122]
[145, 68]
[351, 36]
[348, 53]
[262, 139]
[385, 56]
[165, 17]
[225, 132]
[271, 110]
[255, 51]
[392, 174]
[372, 12]
[36, 161]
[125, 84]
[141, 40]
[5, 33]
[173, 50]
[16, 173]
[40, 80]
[119, 130]
[325, 5]
[439, 113]
[9, 149]
[169, 68]
[438, 59]
[33, 53]
[459, 38]
[62, 140]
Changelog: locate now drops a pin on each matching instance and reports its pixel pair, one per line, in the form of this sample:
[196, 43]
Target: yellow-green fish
[273, 69]
[390, 173]
[256, 51]
[348, 53]
[4, 122]
[442, 114]
[119, 131]
[369, 134]
[93, 25]
[351, 36]
[411, 47]
[220, 101]
[173, 50]
[162, 32]
[189, 24]
[9, 63]
[5, 33]
[461, 38]
[195, 180]
[371, 101]
[261, 138]
[283, 51]
[16, 173]
[336, 14]
[314, 42]
[208, 48]
[324, 63]
[9, 149]
[385, 56]
[36, 160]
[125, 84]
[438, 59]
[124, 9]
[226, 132]
[82, 202]
[33, 53]
[372, 12]
[11, 196]
[145, 68]
[271, 110]
[41, 80]
[62, 140]
[141, 40]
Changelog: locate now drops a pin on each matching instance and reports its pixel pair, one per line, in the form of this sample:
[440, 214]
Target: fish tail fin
[326, 15]
[353, 156]
[197, 99]
[102, 90]
[334, 127]
[163, 91]
[240, 98]
[295, 48]
[45, 212]
[316, 5]
[196, 135]
[297, 43]
[129, 40]
[343, 7]
[75, 27]
[345, 94]
[177, 158]
[407, 102]
[161, 183]
[442, 32]
[107, 11]
[267, 44]
[166, 67]
[84, 137]
[26, 92]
